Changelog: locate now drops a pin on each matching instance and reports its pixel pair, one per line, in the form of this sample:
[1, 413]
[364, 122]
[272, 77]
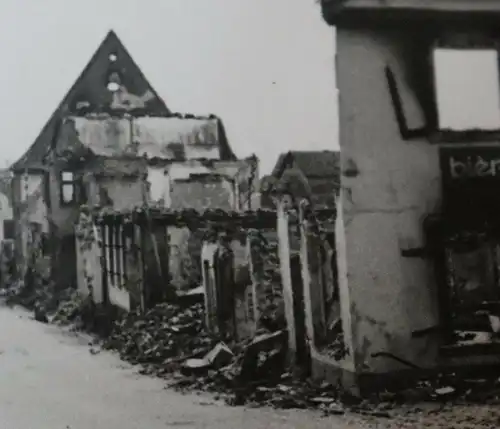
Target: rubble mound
[71, 309]
[45, 298]
[170, 340]
[255, 372]
[162, 338]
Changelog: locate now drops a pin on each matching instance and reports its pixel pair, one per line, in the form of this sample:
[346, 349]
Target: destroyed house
[130, 259]
[110, 143]
[417, 241]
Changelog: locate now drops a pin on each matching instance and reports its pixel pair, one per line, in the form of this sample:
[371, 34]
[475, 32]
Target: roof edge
[344, 12]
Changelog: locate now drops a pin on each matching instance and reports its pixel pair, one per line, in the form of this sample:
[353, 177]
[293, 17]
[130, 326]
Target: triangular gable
[311, 174]
[131, 93]
[321, 164]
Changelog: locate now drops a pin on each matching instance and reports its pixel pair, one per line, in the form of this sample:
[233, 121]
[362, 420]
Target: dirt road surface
[50, 380]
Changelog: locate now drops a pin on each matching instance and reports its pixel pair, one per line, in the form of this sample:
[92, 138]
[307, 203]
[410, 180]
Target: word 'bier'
[473, 166]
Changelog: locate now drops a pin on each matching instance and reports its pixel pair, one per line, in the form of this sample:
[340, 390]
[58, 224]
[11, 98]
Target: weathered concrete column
[284, 255]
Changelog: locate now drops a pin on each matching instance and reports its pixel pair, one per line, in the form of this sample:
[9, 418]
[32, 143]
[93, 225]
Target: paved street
[49, 380]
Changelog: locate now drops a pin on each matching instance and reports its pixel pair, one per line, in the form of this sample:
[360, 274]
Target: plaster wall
[208, 276]
[5, 213]
[159, 190]
[89, 268]
[119, 297]
[382, 206]
[33, 206]
[184, 247]
[162, 178]
[313, 303]
[202, 195]
[29, 206]
[150, 136]
[124, 193]
[284, 249]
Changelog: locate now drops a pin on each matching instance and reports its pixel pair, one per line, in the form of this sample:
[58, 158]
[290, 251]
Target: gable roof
[319, 176]
[111, 62]
[313, 164]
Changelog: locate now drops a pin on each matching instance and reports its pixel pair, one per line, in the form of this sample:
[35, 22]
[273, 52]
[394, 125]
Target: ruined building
[113, 142]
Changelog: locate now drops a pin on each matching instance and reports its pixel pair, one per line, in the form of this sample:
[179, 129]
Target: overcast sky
[264, 66]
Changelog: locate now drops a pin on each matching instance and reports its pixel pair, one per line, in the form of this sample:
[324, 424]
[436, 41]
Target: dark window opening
[111, 259]
[68, 188]
[8, 229]
[44, 244]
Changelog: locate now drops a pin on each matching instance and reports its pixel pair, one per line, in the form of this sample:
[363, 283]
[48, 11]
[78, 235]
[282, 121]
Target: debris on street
[43, 300]
[70, 310]
[170, 340]
[257, 375]
[162, 338]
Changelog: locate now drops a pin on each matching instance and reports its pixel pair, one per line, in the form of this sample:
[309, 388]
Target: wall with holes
[113, 254]
[177, 183]
[88, 259]
[29, 208]
[121, 193]
[266, 277]
[325, 306]
[388, 186]
[243, 312]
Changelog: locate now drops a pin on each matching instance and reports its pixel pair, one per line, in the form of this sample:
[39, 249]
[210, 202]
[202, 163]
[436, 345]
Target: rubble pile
[255, 373]
[447, 387]
[44, 298]
[161, 338]
[65, 305]
[282, 391]
[70, 309]
[171, 340]
[20, 294]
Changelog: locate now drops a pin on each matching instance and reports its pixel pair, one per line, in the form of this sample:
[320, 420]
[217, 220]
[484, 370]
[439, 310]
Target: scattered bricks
[220, 356]
[162, 338]
[262, 346]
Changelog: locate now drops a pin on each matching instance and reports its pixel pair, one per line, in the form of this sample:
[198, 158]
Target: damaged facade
[6, 215]
[304, 187]
[417, 238]
[113, 142]
[242, 279]
[126, 255]
[7, 265]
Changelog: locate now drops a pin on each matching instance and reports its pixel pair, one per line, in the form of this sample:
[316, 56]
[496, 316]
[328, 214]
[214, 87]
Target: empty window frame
[116, 255]
[467, 88]
[68, 188]
[9, 229]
